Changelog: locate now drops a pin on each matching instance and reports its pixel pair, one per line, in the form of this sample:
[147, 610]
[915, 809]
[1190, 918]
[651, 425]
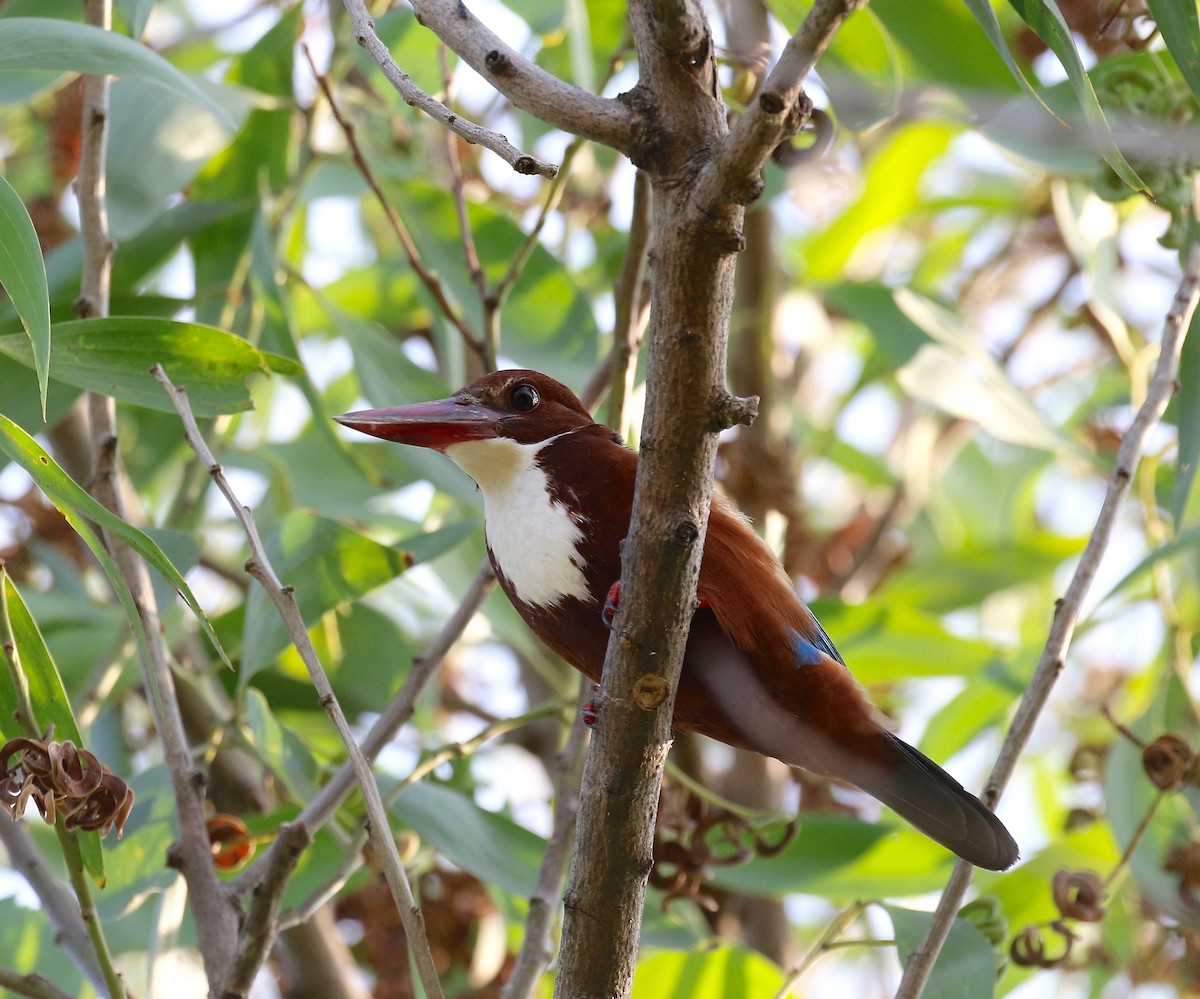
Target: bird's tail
[915, 787]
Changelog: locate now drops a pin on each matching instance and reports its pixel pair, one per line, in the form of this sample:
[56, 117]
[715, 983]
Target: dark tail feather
[923, 793]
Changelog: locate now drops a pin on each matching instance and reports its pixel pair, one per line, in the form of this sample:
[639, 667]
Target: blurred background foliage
[950, 310]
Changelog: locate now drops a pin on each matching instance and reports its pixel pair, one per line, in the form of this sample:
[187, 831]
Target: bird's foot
[609, 611]
[588, 712]
[613, 598]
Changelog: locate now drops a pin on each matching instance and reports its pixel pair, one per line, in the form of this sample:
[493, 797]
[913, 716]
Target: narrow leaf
[958, 376]
[114, 356]
[23, 276]
[1179, 24]
[76, 504]
[1188, 421]
[42, 43]
[985, 14]
[1047, 22]
[49, 699]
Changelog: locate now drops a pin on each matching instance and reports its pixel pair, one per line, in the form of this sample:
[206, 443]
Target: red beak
[434, 425]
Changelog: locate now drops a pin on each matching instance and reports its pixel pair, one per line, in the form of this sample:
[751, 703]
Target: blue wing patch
[821, 640]
[807, 654]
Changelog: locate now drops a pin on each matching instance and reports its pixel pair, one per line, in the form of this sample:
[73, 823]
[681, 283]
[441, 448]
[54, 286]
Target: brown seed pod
[1078, 895]
[1028, 948]
[1167, 761]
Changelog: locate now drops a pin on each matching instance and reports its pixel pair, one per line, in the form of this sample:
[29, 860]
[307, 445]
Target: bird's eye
[524, 398]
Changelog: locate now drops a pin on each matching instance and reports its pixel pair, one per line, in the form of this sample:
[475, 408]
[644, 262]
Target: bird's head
[518, 405]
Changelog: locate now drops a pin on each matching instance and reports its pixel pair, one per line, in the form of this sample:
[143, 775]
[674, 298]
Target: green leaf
[79, 507]
[985, 14]
[327, 563]
[493, 848]
[722, 973]
[947, 580]
[844, 859]
[957, 375]
[157, 144]
[114, 356]
[1179, 24]
[966, 966]
[31, 945]
[1044, 17]
[23, 276]
[1187, 419]
[891, 191]
[884, 641]
[46, 691]
[978, 706]
[38, 43]
[940, 43]
[1186, 541]
[48, 697]
[135, 861]
[288, 756]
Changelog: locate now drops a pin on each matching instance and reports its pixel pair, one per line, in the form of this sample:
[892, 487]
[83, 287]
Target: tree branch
[522, 81]
[778, 111]
[364, 31]
[696, 237]
[1053, 658]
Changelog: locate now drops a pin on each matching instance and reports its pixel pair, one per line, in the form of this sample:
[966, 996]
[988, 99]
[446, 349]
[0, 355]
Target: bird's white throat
[534, 537]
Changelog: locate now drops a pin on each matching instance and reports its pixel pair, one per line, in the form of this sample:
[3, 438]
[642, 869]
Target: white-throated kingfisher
[759, 672]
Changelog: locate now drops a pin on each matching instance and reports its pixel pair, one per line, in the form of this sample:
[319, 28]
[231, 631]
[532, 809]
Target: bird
[759, 671]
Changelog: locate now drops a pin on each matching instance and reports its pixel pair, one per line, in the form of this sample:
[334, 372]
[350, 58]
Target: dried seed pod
[1078, 895]
[1167, 761]
[1028, 949]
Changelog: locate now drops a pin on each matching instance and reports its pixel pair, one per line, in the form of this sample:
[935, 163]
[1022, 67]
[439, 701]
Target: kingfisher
[759, 671]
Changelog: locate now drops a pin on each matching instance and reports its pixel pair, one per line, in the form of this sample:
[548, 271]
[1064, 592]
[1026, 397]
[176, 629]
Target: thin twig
[414, 96]
[34, 986]
[429, 279]
[259, 566]
[1052, 661]
[821, 946]
[522, 81]
[73, 859]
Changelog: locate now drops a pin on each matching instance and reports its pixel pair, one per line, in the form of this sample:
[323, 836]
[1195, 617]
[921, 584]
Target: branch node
[649, 692]
[498, 63]
[686, 532]
[771, 102]
[731, 411]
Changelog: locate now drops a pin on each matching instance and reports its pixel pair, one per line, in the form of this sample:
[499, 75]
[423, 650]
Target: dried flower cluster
[691, 835]
[63, 780]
